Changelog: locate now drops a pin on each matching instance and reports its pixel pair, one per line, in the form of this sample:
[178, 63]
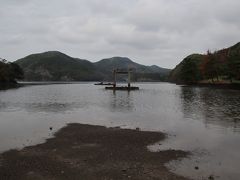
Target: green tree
[190, 73]
[9, 72]
[15, 72]
[234, 66]
[212, 68]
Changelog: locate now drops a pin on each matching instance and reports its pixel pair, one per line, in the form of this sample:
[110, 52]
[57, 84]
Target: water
[204, 121]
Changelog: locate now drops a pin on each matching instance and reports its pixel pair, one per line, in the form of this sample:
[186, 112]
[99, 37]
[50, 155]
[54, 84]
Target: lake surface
[204, 121]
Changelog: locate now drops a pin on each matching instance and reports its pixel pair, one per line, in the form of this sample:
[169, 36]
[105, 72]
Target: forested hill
[222, 66]
[9, 72]
[56, 66]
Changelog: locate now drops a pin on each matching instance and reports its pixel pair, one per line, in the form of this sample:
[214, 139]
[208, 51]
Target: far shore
[218, 85]
[91, 152]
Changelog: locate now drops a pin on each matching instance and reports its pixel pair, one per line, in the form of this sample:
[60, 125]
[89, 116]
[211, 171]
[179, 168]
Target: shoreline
[234, 86]
[9, 85]
[80, 151]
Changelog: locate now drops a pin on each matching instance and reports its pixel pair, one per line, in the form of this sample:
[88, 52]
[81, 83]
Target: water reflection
[48, 99]
[199, 118]
[121, 101]
[52, 107]
[2, 105]
[212, 106]
[190, 102]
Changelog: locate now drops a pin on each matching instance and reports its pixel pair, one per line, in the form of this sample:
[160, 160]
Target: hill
[56, 66]
[142, 73]
[222, 66]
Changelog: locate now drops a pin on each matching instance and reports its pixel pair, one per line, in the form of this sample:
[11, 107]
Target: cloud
[158, 32]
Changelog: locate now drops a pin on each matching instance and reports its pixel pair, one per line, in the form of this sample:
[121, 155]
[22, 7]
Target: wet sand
[91, 152]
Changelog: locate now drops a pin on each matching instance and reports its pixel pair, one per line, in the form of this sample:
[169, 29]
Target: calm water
[204, 121]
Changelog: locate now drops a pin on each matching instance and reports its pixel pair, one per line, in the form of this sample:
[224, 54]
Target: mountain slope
[124, 63]
[56, 66]
[142, 73]
[222, 65]
[176, 73]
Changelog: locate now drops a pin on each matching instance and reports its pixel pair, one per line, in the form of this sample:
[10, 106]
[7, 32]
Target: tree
[10, 72]
[234, 66]
[190, 73]
[210, 67]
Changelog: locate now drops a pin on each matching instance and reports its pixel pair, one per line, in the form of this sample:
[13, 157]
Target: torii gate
[119, 71]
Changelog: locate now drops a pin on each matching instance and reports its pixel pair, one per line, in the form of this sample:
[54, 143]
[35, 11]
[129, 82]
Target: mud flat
[91, 152]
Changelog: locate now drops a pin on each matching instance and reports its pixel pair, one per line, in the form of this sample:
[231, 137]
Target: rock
[211, 177]
[30, 173]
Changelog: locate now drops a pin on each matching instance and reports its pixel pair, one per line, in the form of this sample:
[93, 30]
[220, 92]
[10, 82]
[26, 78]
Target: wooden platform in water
[103, 84]
[123, 88]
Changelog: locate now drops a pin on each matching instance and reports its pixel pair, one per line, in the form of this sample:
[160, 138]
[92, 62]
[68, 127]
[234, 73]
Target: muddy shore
[90, 152]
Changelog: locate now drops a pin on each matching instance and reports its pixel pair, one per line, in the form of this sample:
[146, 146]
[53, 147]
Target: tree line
[223, 65]
[10, 72]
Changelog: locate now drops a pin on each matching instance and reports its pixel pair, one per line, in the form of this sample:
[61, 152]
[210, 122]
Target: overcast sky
[160, 32]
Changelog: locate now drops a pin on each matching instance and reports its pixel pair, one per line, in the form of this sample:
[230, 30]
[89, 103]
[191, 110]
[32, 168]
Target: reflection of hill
[121, 101]
[54, 107]
[47, 99]
[216, 107]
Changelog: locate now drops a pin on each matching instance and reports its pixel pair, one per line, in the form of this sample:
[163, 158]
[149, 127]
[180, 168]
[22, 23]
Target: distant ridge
[57, 66]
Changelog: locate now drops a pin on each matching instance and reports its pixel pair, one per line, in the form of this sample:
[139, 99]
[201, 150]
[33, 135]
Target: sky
[159, 32]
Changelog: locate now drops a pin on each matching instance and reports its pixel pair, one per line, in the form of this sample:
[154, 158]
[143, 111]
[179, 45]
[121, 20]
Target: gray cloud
[158, 32]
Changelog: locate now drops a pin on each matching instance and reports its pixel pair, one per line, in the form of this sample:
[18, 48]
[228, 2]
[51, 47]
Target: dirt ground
[86, 152]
